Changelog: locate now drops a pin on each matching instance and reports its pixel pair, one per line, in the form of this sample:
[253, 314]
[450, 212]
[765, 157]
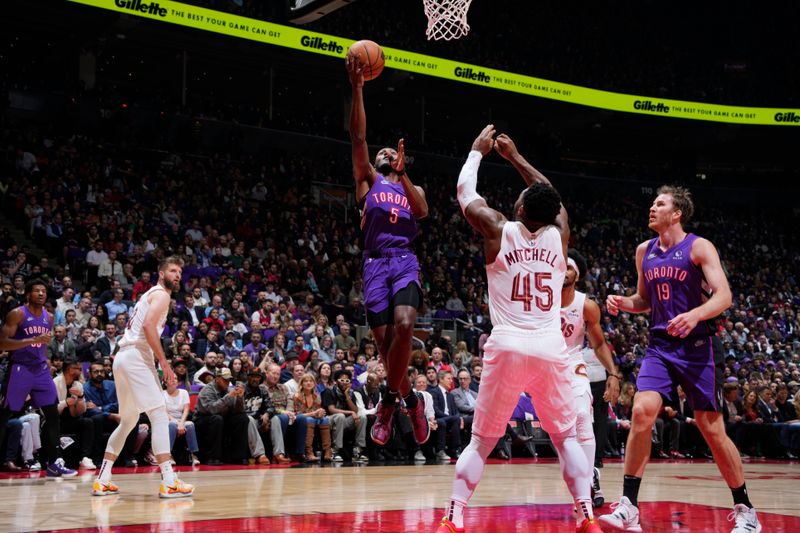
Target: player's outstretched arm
[9, 329]
[480, 216]
[704, 255]
[506, 148]
[639, 302]
[591, 313]
[415, 195]
[363, 171]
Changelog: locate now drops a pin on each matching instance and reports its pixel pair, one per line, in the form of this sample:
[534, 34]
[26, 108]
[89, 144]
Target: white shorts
[518, 360]
[138, 386]
[580, 380]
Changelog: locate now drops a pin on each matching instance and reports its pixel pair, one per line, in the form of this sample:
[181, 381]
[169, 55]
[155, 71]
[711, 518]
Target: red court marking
[658, 517]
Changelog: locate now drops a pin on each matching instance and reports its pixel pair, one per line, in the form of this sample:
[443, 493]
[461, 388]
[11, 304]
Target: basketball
[370, 55]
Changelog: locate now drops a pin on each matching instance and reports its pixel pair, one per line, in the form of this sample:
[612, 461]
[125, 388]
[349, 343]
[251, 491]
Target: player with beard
[391, 206]
[138, 385]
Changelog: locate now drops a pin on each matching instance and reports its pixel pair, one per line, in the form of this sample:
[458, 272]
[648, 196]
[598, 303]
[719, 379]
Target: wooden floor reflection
[518, 496]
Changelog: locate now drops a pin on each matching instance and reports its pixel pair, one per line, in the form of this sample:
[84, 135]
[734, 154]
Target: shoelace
[735, 515]
[621, 509]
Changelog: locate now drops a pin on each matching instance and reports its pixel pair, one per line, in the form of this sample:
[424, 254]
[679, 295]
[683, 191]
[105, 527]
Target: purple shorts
[26, 380]
[387, 275]
[685, 362]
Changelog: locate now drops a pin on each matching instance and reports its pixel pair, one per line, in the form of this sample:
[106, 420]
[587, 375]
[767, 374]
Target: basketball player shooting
[138, 386]
[673, 269]
[26, 332]
[526, 262]
[391, 206]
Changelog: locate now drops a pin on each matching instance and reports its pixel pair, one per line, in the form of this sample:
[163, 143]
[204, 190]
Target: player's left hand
[169, 375]
[399, 162]
[683, 324]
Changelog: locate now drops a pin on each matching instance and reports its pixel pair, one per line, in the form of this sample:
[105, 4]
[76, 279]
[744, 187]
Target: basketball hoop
[447, 19]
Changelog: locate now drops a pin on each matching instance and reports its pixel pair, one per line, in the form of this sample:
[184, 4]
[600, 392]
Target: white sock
[469, 470]
[167, 473]
[584, 508]
[455, 513]
[575, 469]
[104, 476]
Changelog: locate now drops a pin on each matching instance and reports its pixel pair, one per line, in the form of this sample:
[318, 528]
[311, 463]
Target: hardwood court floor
[524, 495]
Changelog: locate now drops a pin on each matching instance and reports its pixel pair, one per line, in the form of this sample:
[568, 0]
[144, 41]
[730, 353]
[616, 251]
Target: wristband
[614, 376]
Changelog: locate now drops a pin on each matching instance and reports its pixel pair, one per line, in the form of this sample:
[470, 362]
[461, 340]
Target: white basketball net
[447, 19]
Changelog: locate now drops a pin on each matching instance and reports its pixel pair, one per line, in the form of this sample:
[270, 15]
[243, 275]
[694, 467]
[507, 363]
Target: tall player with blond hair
[138, 386]
[526, 262]
[682, 285]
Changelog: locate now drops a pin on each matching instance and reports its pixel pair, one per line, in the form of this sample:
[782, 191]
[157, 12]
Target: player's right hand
[485, 140]
[355, 70]
[614, 304]
[44, 338]
[504, 146]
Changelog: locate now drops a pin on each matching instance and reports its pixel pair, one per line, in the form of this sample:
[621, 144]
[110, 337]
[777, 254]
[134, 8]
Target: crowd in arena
[263, 333]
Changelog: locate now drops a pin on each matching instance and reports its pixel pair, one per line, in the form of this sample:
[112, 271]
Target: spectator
[107, 344]
[421, 386]
[177, 401]
[293, 425]
[60, 344]
[308, 402]
[344, 341]
[447, 417]
[72, 407]
[221, 420]
[340, 403]
[142, 286]
[324, 379]
[465, 398]
[259, 408]
[209, 368]
[298, 370]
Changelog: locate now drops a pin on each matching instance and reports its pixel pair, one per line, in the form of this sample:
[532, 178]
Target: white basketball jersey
[525, 279]
[573, 327]
[134, 332]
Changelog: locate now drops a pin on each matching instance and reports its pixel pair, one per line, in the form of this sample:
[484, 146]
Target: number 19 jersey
[526, 277]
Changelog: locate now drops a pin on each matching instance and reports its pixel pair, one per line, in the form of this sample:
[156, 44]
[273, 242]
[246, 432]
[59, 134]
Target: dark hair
[681, 200]
[32, 283]
[71, 361]
[583, 266]
[728, 387]
[342, 372]
[541, 203]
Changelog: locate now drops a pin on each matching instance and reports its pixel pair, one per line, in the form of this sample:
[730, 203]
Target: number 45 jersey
[526, 277]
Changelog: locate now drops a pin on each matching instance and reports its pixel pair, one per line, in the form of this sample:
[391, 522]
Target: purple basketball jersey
[673, 283]
[30, 327]
[387, 221]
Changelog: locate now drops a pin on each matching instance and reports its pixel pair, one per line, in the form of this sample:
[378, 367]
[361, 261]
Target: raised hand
[485, 140]
[399, 162]
[355, 70]
[504, 146]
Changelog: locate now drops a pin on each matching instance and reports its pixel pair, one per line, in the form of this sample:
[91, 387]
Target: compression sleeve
[468, 180]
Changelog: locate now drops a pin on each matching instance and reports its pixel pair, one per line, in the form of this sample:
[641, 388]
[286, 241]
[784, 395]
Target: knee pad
[159, 422]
